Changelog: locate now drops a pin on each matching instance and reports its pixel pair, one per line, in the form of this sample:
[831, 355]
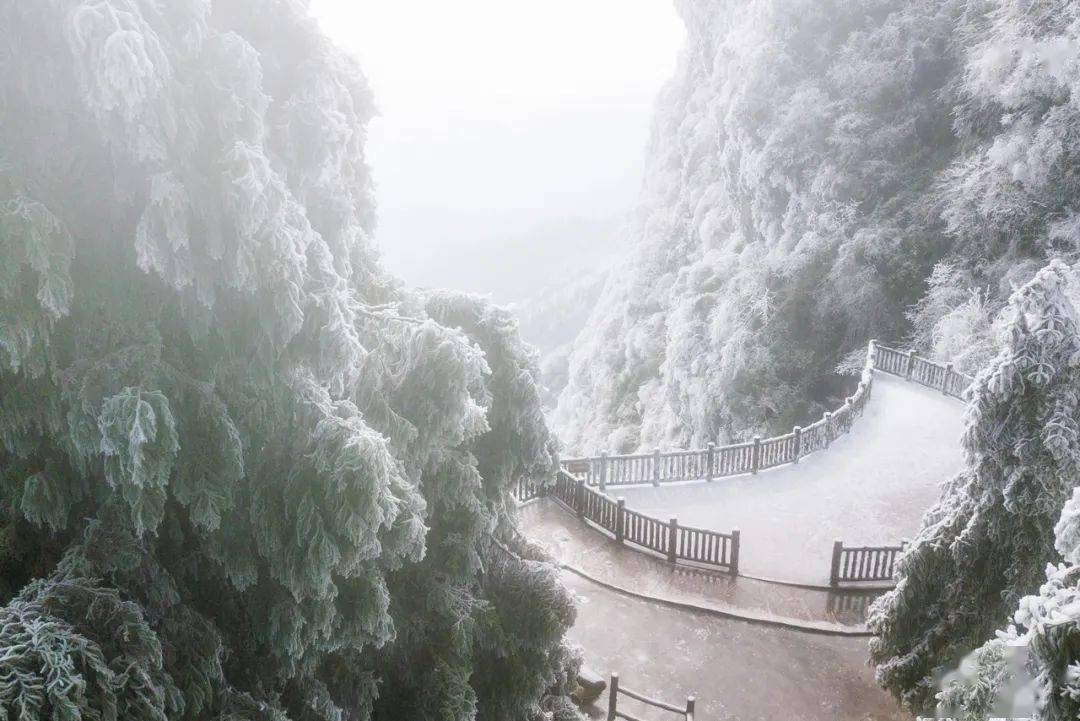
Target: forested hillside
[823, 173]
[551, 319]
[244, 472]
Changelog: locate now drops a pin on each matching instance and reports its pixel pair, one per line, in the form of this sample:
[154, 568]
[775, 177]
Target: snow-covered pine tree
[244, 473]
[986, 542]
[999, 679]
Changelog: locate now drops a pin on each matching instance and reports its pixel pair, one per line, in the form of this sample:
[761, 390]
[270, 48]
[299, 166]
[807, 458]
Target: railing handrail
[675, 542]
[614, 689]
[856, 564]
[717, 549]
[650, 467]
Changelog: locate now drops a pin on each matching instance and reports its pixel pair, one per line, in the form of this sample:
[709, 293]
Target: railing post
[579, 498]
[798, 443]
[710, 456]
[656, 467]
[690, 708]
[613, 697]
[873, 353]
[735, 552]
[672, 539]
[828, 429]
[834, 572]
[755, 458]
[603, 471]
[910, 365]
[947, 381]
[620, 520]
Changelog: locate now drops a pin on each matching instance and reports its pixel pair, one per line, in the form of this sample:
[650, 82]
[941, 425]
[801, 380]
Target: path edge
[821, 628]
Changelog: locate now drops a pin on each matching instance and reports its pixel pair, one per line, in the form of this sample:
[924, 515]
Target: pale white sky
[512, 132]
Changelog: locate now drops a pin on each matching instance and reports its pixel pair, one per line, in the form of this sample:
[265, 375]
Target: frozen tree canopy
[823, 173]
[988, 540]
[244, 472]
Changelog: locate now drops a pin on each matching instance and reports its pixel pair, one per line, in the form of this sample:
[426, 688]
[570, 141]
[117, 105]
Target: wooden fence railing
[615, 690]
[925, 372]
[676, 543]
[856, 564]
[526, 489]
[575, 482]
[759, 454]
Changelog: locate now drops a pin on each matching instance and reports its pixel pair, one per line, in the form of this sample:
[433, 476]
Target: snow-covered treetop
[204, 366]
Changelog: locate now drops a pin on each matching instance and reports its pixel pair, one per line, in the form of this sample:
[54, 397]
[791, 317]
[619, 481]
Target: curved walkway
[738, 671]
[595, 557]
[870, 488]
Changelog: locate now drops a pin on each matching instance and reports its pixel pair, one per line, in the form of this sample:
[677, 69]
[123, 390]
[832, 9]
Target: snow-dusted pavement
[737, 670]
[870, 488]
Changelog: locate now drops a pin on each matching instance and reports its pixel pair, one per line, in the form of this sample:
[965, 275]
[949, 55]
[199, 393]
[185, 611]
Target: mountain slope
[812, 164]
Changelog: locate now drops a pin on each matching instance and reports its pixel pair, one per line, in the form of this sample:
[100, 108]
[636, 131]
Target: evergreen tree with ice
[1032, 667]
[985, 544]
[784, 220]
[245, 474]
[1008, 199]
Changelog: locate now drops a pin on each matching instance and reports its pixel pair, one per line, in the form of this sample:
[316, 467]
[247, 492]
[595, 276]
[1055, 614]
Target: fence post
[828, 429]
[710, 455]
[947, 381]
[873, 353]
[735, 552]
[689, 707]
[579, 498]
[910, 364]
[620, 520]
[798, 443]
[672, 539]
[834, 572]
[613, 696]
[656, 467]
[603, 470]
[755, 458]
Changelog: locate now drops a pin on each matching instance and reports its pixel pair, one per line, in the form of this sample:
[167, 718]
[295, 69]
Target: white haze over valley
[511, 139]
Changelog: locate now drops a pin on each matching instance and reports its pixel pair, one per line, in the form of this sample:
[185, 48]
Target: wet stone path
[584, 549]
[738, 671]
[671, 631]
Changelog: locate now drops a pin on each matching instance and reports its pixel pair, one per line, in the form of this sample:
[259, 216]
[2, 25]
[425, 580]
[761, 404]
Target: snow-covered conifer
[244, 472]
[987, 541]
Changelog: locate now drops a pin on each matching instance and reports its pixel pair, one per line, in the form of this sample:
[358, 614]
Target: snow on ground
[870, 488]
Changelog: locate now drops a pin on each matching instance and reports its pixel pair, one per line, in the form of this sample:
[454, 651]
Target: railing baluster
[834, 574]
